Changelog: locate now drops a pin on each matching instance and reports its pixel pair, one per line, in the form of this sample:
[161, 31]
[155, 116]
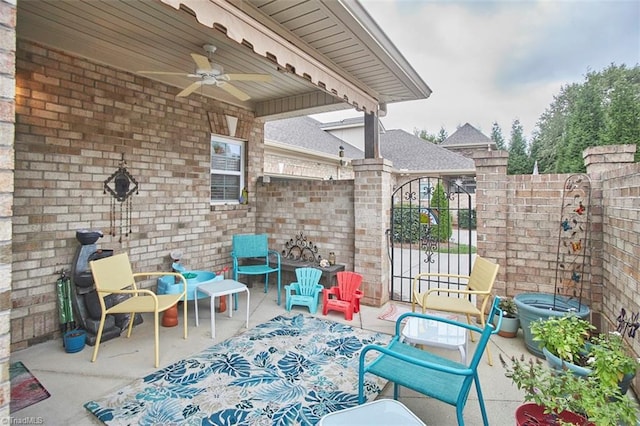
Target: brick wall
[519, 217]
[7, 114]
[322, 210]
[74, 120]
[621, 244]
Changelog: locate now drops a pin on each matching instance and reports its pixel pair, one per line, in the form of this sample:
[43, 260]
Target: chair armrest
[452, 290]
[415, 361]
[435, 318]
[333, 290]
[276, 254]
[152, 274]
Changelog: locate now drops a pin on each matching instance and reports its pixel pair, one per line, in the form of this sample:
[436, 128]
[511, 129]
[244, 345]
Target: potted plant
[570, 342]
[510, 321]
[560, 398]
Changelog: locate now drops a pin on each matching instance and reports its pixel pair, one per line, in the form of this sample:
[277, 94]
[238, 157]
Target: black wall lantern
[121, 186]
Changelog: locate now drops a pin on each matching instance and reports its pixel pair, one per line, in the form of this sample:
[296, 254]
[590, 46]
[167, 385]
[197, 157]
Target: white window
[227, 170]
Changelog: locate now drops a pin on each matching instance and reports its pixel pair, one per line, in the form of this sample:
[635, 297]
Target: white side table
[420, 331]
[219, 289]
[381, 412]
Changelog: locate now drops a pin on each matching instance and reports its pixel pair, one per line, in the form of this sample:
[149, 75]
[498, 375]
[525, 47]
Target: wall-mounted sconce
[341, 155]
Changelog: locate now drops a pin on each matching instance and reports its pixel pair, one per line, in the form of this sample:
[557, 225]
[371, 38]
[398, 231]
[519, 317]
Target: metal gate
[432, 230]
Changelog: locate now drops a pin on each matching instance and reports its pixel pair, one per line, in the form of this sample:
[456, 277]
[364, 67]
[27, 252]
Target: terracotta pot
[533, 414]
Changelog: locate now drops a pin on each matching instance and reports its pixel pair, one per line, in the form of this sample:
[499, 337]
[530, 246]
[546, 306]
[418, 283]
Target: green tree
[423, 134]
[622, 123]
[442, 135]
[585, 125]
[604, 109]
[496, 136]
[440, 204]
[519, 162]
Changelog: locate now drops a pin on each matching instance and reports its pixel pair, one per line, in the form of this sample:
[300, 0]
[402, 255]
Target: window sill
[229, 207]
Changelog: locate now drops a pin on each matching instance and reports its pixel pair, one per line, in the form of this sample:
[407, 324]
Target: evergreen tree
[442, 135]
[585, 125]
[622, 123]
[518, 163]
[604, 109]
[440, 204]
[496, 136]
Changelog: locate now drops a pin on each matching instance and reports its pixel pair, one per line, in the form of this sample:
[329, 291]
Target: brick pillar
[372, 212]
[492, 210]
[7, 130]
[598, 159]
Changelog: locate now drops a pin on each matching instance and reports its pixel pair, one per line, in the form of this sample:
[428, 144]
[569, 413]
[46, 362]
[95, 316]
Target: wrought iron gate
[432, 230]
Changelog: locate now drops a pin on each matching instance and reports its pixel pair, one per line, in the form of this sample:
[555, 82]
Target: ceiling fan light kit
[212, 74]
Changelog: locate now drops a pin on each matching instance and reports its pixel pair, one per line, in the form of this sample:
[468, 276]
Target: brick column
[492, 210]
[372, 212]
[7, 130]
[598, 159]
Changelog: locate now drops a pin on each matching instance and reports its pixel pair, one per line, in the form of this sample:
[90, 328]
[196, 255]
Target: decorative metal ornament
[121, 186]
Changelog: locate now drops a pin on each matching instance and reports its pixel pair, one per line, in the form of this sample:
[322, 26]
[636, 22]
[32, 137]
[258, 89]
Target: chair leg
[184, 309]
[483, 410]
[156, 333]
[279, 287]
[98, 338]
[132, 317]
[489, 359]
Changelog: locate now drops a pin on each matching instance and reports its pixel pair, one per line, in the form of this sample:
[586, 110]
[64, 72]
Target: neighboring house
[467, 140]
[304, 147]
[299, 148]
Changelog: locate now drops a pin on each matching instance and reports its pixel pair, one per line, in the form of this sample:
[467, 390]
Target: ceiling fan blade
[202, 62]
[232, 90]
[246, 77]
[165, 73]
[190, 89]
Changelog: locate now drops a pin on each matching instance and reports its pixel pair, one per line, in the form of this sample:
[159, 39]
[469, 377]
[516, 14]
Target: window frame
[222, 172]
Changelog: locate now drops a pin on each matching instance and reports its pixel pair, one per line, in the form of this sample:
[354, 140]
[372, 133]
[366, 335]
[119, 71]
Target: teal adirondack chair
[306, 290]
[256, 247]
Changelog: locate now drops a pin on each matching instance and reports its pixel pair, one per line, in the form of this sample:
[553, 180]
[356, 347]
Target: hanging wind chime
[121, 186]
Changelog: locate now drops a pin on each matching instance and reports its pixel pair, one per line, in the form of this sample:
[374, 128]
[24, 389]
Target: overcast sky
[489, 61]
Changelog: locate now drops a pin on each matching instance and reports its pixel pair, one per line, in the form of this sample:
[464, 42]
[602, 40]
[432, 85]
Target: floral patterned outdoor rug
[26, 390]
[291, 370]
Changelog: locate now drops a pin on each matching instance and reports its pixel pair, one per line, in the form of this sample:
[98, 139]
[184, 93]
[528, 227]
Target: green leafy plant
[564, 336]
[599, 402]
[609, 360]
[440, 205]
[508, 307]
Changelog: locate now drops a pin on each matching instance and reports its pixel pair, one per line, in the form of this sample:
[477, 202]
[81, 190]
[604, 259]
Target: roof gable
[467, 135]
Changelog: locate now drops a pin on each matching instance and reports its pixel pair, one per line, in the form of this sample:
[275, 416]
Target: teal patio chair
[251, 256]
[429, 374]
[306, 290]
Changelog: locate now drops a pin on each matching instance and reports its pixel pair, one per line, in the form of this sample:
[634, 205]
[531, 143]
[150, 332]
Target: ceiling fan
[210, 73]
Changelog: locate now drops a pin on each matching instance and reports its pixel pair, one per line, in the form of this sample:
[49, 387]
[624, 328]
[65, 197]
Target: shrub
[467, 219]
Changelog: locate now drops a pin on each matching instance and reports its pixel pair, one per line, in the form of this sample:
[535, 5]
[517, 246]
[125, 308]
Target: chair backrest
[308, 279]
[250, 245]
[348, 283]
[483, 275]
[112, 273]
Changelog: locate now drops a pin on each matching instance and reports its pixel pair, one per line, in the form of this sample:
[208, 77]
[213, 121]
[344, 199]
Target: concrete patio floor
[72, 379]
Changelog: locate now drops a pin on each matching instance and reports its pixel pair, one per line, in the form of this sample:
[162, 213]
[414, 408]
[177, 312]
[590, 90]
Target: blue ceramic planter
[535, 306]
